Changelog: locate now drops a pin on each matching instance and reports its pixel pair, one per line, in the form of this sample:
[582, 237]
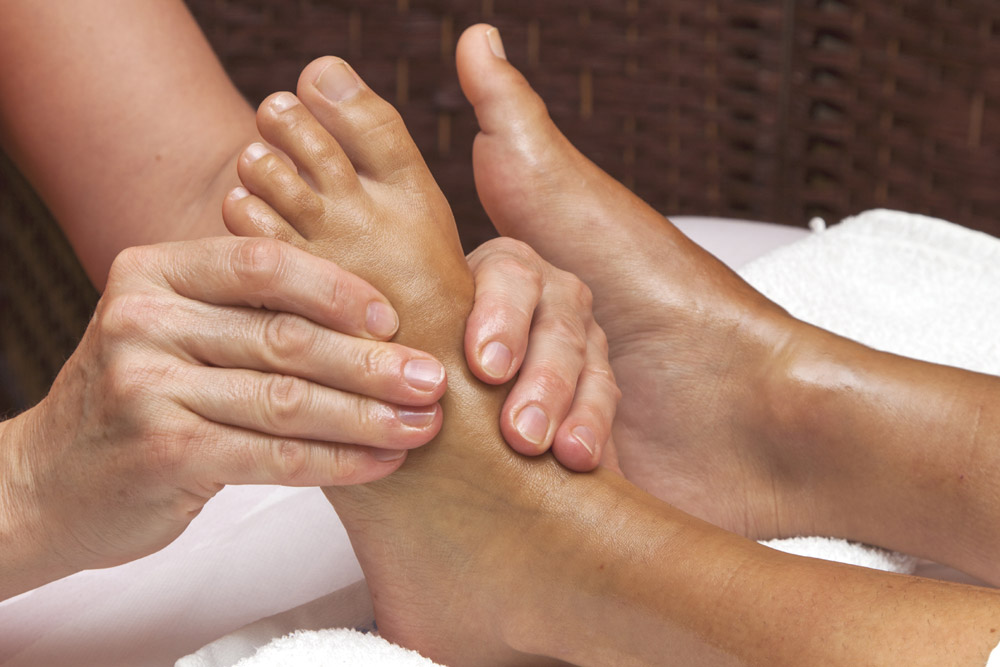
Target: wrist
[27, 559]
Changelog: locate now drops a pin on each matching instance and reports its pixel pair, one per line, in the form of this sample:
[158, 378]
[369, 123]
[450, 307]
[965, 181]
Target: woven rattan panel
[767, 109]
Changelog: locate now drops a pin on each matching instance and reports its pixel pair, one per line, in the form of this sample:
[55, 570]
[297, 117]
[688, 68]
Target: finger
[232, 455]
[264, 273]
[275, 342]
[509, 280]
[581, 437]
[291, 407]
[543, 393]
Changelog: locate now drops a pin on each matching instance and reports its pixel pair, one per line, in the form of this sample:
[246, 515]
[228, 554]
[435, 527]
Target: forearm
[904, 454]
[122, 118]
[665, 588]
[26, 561]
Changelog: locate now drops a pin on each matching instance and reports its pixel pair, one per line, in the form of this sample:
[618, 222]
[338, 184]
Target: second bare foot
[700, 356]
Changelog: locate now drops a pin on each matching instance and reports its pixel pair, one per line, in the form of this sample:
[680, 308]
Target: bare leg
[733, 410]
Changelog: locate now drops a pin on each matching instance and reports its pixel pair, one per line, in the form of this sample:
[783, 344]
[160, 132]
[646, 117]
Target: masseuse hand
[211, 362]
[565, 397]
[239, 361]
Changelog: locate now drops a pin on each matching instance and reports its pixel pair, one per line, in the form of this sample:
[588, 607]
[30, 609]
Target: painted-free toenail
[337, 82]
[496, 44]
[495, 359]
[283, 102]
[256, 151]
[380, 320]
[239, 193]
[417, 417]
[423, 374]
[387, 455]
[533, 424]
[585, 437]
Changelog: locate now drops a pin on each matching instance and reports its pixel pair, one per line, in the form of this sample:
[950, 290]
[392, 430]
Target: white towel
[328, 648]
[904, 283]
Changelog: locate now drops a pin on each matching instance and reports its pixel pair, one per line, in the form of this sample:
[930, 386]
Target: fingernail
[386, 455]
[337, 82]
[423, 374]
[417, 417]
[495, 359]
[532, 424]
[496, 44]
[256, 151]
[380, 320]
[239, 193]
[586, 438]
[283, 102]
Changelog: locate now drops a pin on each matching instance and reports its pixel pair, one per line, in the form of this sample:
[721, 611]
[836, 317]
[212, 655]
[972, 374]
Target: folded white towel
[328, 648]
[912, 285]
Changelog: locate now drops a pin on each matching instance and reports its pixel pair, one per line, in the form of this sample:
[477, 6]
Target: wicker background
[766, 109]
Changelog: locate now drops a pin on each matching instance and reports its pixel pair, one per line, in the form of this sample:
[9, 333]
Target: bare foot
[699, 354]
[449, 542]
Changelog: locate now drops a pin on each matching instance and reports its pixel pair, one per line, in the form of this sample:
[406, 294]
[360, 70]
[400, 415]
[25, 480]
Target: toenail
[423, 374]
[495, 359]
[532, 424]
[386, 455]
[496, 44]
[417, 417]
[380, 320]
[283, 102]
[239, 193]
[256, 151]
[585, 437]
[337, 82]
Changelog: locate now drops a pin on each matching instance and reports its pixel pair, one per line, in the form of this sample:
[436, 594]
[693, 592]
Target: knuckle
[345, 465]
[550, 382]
[571, 335]
[518, 249]
[292, 460]
[128, 314]
[599, 341]
[605, 382]
[256, 263]
[170, 448]
[128, 376]
[375, 361]
[285, 400]
[521, 272]
[342, 295]
[128, 262]
[287, 337]
[584, 295]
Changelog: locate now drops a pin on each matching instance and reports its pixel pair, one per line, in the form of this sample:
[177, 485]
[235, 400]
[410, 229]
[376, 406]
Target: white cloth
[908, 284]
[339, 646]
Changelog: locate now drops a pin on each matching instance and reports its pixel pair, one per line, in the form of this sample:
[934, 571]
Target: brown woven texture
[766, 109]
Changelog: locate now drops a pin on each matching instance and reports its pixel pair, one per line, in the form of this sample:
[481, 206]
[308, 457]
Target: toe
[368, 128]
[248, 215]
[502, 97]
[270, 179]
[286, 123]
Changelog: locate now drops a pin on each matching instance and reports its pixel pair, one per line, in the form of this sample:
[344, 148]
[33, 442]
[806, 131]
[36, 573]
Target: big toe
[369, 129]
[504, 101]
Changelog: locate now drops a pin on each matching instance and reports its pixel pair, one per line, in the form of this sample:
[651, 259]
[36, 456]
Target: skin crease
[477, 556]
